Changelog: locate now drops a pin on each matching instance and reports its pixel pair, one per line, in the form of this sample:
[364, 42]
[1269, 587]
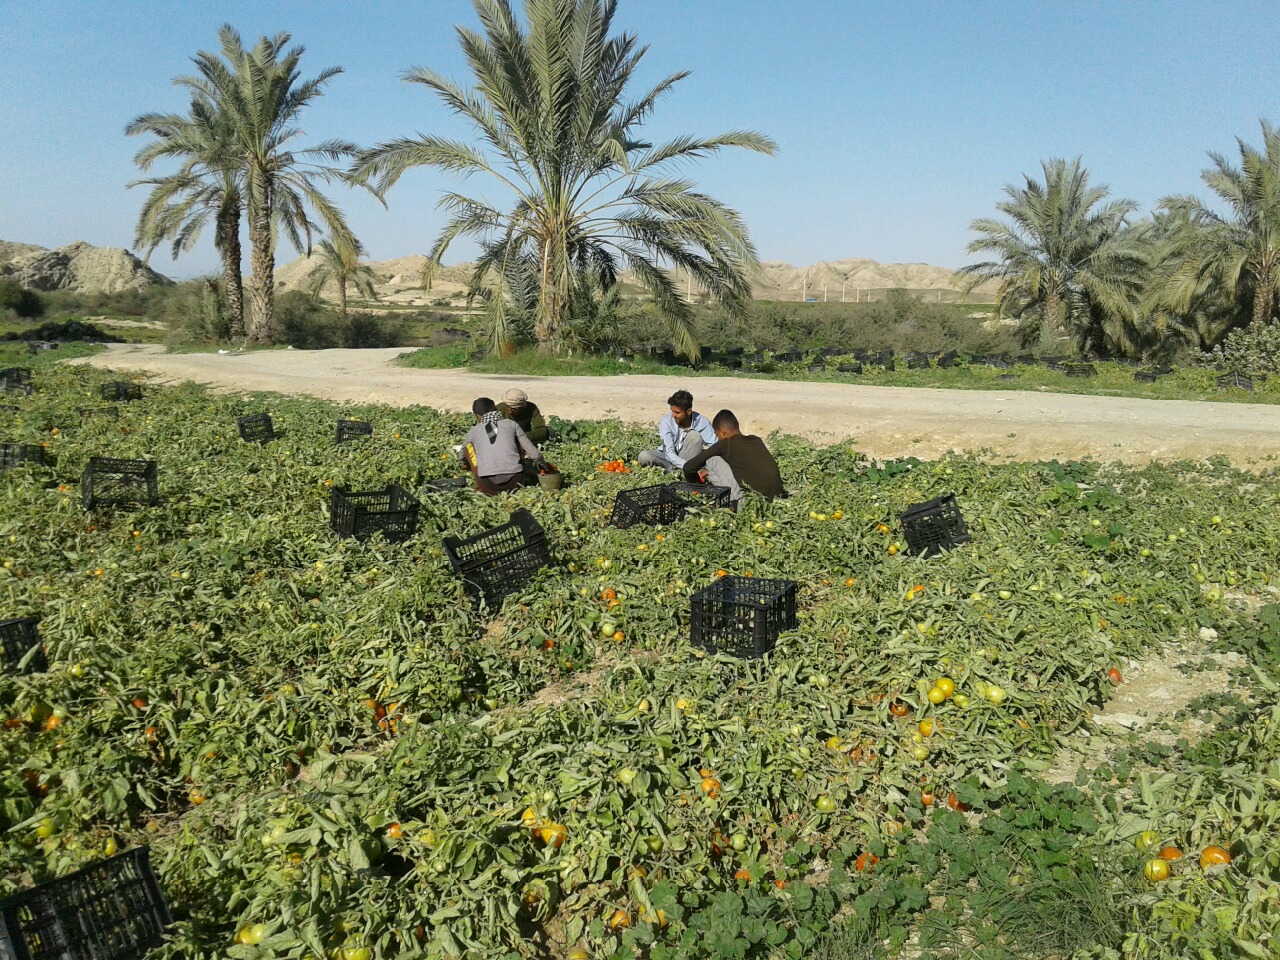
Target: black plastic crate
[394, 511]
[790, 356]
[848, 368]
[10, 386]
[353, 430]
[120, 392]
[742, 616]
[14, 376]
[882, 359]
[18, 637]
[1146, 376]
[108, 481]
[111, 413]
[754, 359]
[256, 428]
[14, 455]
[1057, 366]
[501, 560]
[917, 361]
[1081, 370]
[1026, 358]
[934, 526]
[664, 503]
[1235, 379]
[110, 910]
[948, 360]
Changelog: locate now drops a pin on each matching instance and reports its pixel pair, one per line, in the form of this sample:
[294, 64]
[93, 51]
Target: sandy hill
[79, 266]
[399, 280]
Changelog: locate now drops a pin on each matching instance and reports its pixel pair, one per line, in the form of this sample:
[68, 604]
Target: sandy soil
[882, 421]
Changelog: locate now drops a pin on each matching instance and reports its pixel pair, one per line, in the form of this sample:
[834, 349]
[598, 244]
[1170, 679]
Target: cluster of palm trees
[557, 129]
[1078, 268]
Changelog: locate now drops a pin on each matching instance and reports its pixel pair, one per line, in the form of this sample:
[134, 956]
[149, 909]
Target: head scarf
[491, 421]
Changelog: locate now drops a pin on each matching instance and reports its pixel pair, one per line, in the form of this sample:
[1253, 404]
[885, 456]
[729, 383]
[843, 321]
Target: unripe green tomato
[738, 841]
[920, 752]
[826, 805]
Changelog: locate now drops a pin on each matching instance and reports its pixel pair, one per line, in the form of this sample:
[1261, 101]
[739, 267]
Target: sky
[898, 123]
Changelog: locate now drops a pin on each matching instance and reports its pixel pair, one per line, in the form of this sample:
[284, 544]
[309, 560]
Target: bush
[373, 330]
[20, 301]
[1253, 349]
[65, 331]
[193, 310]
[304, 323]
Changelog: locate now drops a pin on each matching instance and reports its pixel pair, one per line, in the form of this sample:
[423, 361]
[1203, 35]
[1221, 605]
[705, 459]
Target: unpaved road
[882, 421]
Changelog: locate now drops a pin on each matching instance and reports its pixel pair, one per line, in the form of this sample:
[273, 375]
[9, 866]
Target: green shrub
[18, 300]
[1252, 349]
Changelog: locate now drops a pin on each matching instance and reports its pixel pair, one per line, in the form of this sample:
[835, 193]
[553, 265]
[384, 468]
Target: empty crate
[111, 910]
[394, 511]
[934, 526]
[1236, 379]
[664, 503]
[500, 561]
[1081, 370]
[848, 368]
[742, 616]
[19, 637]
[108, 481]
[15, 376]
[14, 455]
[353, 430]
[118, 391]
[256, 428]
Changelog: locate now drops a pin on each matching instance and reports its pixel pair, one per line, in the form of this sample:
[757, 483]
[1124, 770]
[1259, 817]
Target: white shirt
[672, 436]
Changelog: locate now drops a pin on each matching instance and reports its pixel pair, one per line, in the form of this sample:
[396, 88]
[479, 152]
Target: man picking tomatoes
[493, 450]
[683, 433]
[737, 461]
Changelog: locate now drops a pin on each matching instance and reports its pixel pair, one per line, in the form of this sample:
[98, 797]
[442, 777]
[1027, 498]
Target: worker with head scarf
[516, 406]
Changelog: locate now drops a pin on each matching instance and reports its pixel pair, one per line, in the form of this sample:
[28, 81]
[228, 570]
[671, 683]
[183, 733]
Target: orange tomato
[865, 861]
[1213, 856]
[394, 831]
[608, 593]
[780, 884]
[954, 803]
[1170, 854]
[140, 703]
[926, 797]
[1114, 676]
[554, 835]
[899, 709]
[619, 920]
[711, 787]
[744, 875]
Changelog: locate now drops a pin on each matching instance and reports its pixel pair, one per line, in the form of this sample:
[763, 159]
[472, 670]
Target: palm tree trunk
[262, 287]
[342, 298]
[1263, 297]
[1053, 315]
[232, 281]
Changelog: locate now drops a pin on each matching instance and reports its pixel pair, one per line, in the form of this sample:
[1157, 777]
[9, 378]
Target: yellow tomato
[1156, 870]
[946, 685]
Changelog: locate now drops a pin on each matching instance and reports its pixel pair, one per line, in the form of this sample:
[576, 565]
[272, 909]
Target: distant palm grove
[558, 128]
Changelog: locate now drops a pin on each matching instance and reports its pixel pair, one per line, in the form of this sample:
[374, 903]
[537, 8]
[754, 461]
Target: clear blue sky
[898, 122]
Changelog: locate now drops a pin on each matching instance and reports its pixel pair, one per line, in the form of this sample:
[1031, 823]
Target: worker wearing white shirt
[683, 433]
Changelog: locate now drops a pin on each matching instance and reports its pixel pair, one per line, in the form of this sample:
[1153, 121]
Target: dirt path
[883, 421]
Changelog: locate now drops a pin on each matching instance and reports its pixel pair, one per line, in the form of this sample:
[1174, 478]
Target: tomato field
[333, 754]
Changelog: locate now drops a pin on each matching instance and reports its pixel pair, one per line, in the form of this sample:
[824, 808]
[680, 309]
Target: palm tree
[339, 264]
[560, 134]
[1237, 253]
[1068, 259]
[261, 96]
[206, 186]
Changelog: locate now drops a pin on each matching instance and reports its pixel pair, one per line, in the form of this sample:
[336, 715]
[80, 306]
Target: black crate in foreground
[14, 455]
[18, 638]
[500, 561]
[662, 504]
[934, 526]
[119, 392]
[353, 430]
[256, 428]
[394, 511]
[110, 910]
[108, 481]
[742, 616]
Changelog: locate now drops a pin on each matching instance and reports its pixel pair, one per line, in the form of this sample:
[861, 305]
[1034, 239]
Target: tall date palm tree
[207, 186]
[339, 264]
[261, 95]
[1066, 258]
[559, 132]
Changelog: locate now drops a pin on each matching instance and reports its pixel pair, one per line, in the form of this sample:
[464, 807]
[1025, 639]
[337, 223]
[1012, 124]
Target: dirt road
[882, 421]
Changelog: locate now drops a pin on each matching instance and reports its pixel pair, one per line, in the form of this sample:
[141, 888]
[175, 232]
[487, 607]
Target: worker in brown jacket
[738, 461]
